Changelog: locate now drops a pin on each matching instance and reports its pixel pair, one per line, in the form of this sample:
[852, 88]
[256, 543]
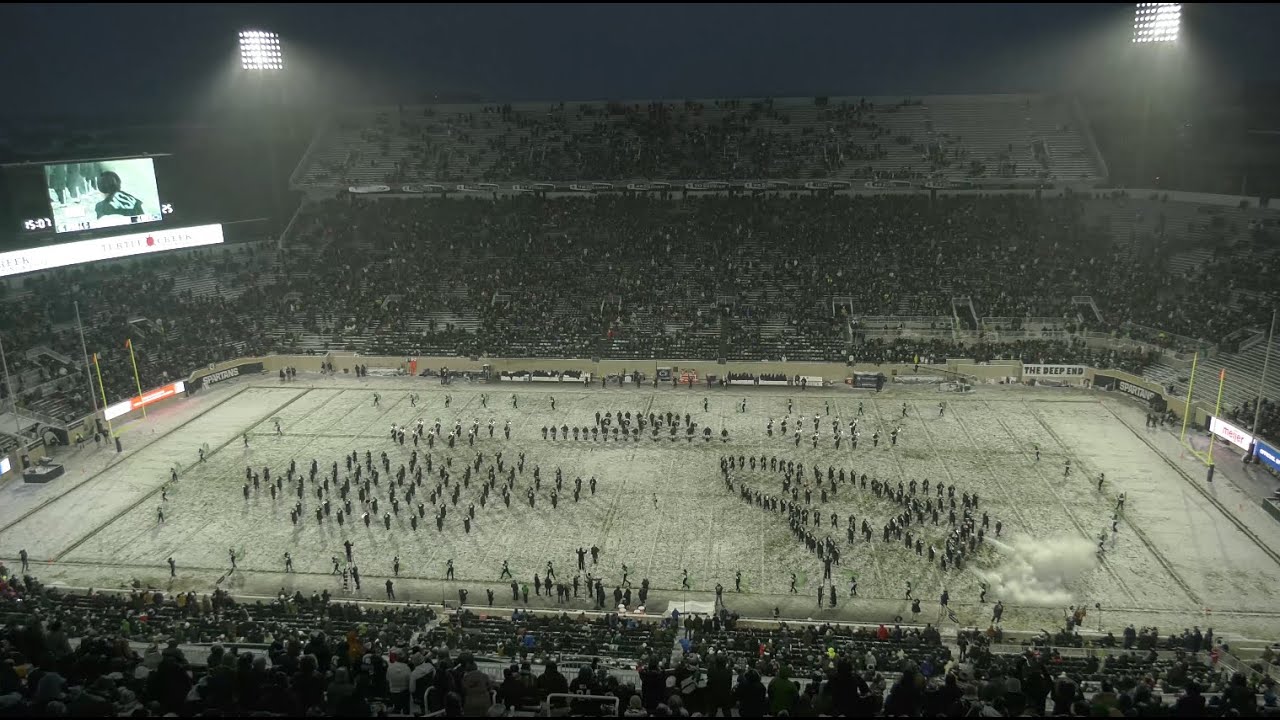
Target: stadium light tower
[261, 58]
[1157, 22]
[1156, 28]
[260, 50]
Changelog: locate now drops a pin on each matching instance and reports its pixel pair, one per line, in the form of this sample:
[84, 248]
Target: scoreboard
[70, 211]
[41, 201]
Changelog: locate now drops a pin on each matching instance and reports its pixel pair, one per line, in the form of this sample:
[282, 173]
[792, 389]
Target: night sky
[166, 59]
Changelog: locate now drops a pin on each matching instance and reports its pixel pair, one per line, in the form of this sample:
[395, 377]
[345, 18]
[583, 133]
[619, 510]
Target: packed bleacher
[620, 641]
[182, 311]
[1002, 137]
[745, 277]
[149, 654]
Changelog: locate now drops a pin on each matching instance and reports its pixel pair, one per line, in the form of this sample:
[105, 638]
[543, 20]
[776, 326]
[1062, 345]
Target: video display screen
[102, 194]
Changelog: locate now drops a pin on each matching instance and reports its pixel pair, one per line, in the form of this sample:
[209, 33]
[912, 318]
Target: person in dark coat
[552, 681]
[752, 701]
[720, 688]
[653, 686]
[850, 695]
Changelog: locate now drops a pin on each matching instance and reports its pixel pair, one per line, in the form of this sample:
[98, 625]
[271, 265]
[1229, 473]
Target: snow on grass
[985, 443]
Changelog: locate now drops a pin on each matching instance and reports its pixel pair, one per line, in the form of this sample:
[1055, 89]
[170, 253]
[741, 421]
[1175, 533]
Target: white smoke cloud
[1040, 572]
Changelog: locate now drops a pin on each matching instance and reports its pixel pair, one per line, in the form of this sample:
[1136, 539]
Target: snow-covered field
[661, 507]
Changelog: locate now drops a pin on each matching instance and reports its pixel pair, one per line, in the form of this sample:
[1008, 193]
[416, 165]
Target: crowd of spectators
[856, 139]
[149, 301]
[1069, 351]
[294, 656]
[150, 654]
[626, 277]
[633, 277]
[618, 640]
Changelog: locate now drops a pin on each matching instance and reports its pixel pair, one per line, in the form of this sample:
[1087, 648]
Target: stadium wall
[831, 372]
[834, 374]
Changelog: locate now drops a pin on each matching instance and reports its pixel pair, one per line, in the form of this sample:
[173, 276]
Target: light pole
[13, 399]
[1266, 363]
[1158, 24]
[261, 55]
[88, 376]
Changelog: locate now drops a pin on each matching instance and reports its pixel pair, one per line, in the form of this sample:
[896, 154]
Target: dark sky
[156, 58]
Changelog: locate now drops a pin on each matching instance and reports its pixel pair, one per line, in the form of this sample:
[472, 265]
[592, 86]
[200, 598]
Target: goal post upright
[1222, 378]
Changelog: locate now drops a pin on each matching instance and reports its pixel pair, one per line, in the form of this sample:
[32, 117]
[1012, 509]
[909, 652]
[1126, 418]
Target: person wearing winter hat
[50, 687]
[127, 702]
[475, 687]
[635, 708]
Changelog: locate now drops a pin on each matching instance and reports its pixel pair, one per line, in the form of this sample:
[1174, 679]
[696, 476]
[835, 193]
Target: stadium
[824, 404]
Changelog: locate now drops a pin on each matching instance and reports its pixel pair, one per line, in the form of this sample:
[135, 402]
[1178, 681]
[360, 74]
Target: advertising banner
[1268, 456]
[1137, 391]
[195, 384]
[1109, 382]
[1053, 371]
[154, 396]
[919, 379]
[83, 251]
[868, 380]
[1230, 433]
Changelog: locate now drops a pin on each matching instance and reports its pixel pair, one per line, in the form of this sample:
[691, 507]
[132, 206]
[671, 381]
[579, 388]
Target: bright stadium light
[260, 50]
[1157, 22]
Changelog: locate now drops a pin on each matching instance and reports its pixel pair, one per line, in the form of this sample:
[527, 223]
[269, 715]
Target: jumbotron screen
[53, 202]
[68, 200]
[71, 211]
[102, 193]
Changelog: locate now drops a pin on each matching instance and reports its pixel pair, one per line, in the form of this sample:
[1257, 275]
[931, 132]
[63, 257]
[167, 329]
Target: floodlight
[1157, 22]
[260, 50]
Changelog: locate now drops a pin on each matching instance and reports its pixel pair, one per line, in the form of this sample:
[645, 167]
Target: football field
[1182, 554]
